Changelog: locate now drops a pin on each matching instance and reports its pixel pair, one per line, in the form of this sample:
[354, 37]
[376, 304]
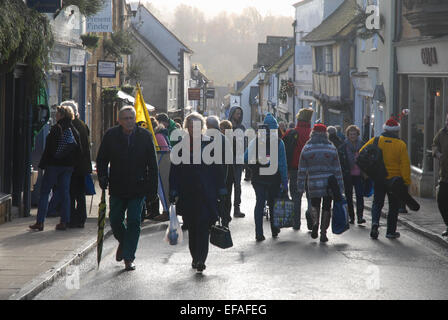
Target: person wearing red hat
[397, 163]
[318, 161]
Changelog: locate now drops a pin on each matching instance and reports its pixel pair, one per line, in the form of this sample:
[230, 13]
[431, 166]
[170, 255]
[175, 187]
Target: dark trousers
[264, 193]
[233, 179]
[349, 183]
[325, 213]
[198, 238]
[126, 229]
[78, 212]
[442, 201]
[379, 196]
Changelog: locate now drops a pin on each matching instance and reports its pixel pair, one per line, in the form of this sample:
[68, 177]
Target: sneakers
[394, 235]
[352, 221]
[260, 238]
[323, 237]
[374, 232]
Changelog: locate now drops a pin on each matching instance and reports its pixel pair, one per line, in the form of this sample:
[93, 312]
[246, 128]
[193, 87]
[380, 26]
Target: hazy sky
[212, 7]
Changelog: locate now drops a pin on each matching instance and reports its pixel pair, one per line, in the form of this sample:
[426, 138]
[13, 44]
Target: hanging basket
[90, 41]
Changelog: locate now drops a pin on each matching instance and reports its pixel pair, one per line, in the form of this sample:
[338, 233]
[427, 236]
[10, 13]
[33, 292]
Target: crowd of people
[308, 155]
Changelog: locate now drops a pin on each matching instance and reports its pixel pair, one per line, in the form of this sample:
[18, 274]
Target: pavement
[31, 261]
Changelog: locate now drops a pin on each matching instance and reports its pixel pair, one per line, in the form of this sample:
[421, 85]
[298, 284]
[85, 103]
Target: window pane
[417, 121]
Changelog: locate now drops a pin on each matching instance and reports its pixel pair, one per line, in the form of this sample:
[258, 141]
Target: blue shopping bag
[283, 215]
[340, 221]
[90, 185]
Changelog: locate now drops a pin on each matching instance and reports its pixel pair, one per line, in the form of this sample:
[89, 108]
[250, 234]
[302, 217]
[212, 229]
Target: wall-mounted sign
[102, 21]
[194, 94]
[45, 6]
[77, 57]
[429, 56]
[106, 69]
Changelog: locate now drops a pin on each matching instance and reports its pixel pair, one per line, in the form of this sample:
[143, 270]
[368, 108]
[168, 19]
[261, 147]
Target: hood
[232, 111]
[271, 122]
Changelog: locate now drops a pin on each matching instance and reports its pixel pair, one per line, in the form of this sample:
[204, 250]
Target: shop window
[66, 85]
[417, 121]
[329, 59]
[320, 59]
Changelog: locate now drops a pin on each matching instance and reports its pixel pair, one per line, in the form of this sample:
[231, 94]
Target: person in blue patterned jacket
[319, 160]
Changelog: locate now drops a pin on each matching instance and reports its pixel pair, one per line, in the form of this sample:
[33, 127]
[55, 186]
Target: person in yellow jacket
[396, 160]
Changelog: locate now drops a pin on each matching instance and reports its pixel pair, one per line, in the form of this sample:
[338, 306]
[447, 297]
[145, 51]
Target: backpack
[290, 141]
[370, 161]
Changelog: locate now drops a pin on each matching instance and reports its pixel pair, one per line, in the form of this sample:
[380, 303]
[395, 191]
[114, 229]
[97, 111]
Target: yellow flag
[142, 117]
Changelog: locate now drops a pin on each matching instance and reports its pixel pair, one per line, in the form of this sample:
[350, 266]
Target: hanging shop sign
[106, 69]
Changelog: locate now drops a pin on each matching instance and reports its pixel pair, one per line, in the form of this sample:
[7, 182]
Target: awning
[131, 100]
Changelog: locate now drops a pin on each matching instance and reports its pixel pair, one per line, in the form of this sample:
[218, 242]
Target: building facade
[309, 15]
[333, 50]
[422, 90]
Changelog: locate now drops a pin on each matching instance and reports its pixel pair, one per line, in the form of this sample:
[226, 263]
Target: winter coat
[344, 156]
[84, 166]
[198, 187]
[319, 161]
[440, 144]
[51, 144]
[303, 128]
[236, 126]
[337, 142]
[395, 156]
[133, 163]
[281, 176]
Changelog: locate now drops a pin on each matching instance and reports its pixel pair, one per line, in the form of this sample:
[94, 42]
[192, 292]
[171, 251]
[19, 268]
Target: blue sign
[45, 6]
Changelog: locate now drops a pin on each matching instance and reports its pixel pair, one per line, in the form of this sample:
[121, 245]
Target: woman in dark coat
[61, 152]
[197, 188]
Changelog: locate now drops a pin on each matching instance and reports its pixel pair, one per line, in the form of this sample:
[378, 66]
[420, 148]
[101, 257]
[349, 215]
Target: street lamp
[262, 75]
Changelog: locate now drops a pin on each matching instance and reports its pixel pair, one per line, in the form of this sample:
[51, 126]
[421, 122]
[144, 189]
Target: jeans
[264, 193]
[61, 177]
[127, 233]
[349, 183]
[442, 201]
[378, 204]
[296, 197]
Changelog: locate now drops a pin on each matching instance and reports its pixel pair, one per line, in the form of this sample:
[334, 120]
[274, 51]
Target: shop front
[423, 75]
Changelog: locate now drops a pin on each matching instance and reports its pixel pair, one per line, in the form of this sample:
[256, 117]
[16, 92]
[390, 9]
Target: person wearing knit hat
[294, 140]
[267, 187]
[397, 163]
[318, 161]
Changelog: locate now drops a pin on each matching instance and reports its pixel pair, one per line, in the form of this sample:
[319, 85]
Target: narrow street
[292, 267]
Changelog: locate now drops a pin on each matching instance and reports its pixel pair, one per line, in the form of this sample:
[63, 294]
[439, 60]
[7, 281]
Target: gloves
[104, 182]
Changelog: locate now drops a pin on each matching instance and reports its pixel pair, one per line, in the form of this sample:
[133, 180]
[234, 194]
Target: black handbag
[220, 236]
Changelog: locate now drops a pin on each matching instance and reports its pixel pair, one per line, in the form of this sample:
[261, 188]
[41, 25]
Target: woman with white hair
[62, 148]
[196, 189]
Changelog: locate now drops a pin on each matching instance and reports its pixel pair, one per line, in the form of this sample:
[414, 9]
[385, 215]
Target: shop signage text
[429, 56]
